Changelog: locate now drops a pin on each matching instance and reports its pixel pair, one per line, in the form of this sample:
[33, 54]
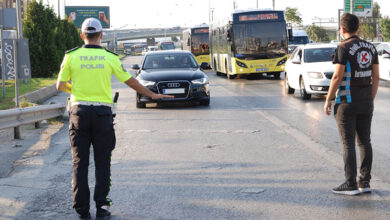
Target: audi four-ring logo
[173, 85]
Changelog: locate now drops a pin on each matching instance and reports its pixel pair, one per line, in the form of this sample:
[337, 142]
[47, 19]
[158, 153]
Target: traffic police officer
[90, 117]
[356, 79]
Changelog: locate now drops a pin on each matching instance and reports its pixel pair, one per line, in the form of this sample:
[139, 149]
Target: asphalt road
[254, 153]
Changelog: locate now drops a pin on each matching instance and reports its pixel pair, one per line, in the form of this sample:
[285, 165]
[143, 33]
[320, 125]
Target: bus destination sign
[259, 17]
[201, 31]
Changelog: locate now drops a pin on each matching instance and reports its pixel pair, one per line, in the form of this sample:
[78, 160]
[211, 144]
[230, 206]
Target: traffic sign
[361, 8]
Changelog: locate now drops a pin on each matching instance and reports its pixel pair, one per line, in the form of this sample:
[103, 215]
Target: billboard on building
[78, 14]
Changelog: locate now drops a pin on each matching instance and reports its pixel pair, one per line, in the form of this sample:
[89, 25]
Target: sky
[130, 14]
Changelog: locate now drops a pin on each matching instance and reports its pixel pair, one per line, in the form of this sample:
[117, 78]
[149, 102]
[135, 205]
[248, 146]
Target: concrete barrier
[40, 95]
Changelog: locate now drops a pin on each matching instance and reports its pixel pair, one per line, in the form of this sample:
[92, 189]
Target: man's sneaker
[364, 187]
[103, 211]
[346, 189]
[85, 216]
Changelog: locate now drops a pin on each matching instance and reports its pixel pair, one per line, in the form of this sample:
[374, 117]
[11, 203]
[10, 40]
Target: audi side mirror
[135, 67]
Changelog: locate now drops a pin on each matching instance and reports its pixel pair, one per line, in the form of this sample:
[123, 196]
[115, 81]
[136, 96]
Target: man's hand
[161, 96]
[327, 107]
[134, 84]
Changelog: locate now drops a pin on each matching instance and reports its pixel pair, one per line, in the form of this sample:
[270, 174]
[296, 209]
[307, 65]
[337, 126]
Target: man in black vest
[356, 79]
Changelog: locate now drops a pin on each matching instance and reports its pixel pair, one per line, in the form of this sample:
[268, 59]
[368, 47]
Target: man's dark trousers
[354, 120]
[91, 125]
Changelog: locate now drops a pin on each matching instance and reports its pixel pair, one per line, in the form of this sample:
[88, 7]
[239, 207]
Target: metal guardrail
[22, 116]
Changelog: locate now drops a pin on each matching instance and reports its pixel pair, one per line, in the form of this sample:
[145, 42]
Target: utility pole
[273, 4]
[257, 3]
[351, 7]
[234, 5]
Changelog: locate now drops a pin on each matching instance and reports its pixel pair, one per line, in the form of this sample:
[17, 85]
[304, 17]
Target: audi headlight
[204, 80]
[282, 61]
[315, 75]
[146, 82]
[241, 64]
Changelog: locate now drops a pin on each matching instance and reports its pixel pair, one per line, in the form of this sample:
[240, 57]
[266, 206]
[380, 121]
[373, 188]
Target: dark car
[175, 73]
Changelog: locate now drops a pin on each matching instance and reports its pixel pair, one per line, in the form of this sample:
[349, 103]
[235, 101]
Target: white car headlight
[145, 82]
[315, 75]
[204, 80]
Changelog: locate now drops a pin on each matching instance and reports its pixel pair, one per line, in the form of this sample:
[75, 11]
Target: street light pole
[59, 12]
[209, 13]
[16, 69]
[338, 21]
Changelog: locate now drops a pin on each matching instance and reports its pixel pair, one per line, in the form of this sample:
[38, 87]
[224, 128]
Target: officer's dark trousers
[91, 125]
[354, 121]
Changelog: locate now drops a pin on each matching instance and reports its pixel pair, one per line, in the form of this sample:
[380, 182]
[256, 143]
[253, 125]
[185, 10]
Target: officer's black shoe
[102, 212]
[85, 216]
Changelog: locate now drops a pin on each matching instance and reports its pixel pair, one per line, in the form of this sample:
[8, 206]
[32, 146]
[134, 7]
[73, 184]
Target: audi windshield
[163, 61]
[265, 40]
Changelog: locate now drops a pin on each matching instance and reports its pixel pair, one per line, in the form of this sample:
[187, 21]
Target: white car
[384, 60]
[310, 70]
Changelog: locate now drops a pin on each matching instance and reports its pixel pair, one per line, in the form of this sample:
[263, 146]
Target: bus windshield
[200, 44]
[167, 46]
[300, 40]
[260, 40]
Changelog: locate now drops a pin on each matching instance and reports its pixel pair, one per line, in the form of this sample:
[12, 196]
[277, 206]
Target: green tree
[376, 11]
[385, 28]
[317, 34]
[49, 38]
[367, 31]
[39, 27]
[293, 16]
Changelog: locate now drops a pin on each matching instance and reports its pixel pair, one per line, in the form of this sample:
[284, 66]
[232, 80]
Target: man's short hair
[91, 36]
[349, 22]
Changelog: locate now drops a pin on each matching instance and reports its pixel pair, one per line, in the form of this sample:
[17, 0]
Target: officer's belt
[91, 103]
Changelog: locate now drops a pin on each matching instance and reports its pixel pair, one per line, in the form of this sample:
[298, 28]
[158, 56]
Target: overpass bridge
[111, 37]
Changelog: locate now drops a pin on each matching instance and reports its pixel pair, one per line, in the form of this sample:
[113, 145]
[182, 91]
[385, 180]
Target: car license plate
[261, 69]
[174, 91]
